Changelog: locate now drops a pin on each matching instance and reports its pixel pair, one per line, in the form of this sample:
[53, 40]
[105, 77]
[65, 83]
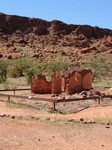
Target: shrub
[3, 70]
[14, 73]
[101, 69]
[29, 74]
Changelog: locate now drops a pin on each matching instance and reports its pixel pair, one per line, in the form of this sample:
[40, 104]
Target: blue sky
[91, 12]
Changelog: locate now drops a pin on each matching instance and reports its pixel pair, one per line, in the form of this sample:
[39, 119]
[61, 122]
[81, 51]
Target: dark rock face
[10, 24]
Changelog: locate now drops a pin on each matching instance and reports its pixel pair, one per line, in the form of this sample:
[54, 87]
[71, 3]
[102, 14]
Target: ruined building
[69, 82]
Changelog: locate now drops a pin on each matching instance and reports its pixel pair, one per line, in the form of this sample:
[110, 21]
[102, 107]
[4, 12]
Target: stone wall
[56, 83]
[64, 85]
[40, 85]
[86, 79]
[74, 82]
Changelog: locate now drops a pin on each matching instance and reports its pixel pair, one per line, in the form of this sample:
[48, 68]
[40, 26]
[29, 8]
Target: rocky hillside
[40, 39]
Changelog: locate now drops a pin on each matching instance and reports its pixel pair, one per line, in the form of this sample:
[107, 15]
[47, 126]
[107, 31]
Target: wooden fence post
[8, 98]
[14, 92]
[54, 105]
[99, 100]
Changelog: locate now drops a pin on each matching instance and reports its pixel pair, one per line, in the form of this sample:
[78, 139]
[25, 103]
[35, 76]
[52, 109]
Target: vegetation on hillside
[15, 68]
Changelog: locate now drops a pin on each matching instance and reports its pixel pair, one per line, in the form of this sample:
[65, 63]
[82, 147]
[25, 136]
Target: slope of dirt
[43, 40]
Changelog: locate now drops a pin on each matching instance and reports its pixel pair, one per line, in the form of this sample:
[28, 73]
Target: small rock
[1, 55]
[89, 122]
[2, 115]
[32, 117]
[52, 119]
[42, 119]
[13, 117]
[29, 97]
[47, 118]
[85, 122]
[71, 120]
[81, 119]
[108, 123]
[107, 126]
[9, 57]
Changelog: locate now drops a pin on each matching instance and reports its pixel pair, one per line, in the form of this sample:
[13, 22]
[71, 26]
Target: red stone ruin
[71, 82]
[40, 85]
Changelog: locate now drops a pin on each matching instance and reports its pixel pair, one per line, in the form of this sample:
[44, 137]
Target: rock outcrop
[10, 24]
[34, 35]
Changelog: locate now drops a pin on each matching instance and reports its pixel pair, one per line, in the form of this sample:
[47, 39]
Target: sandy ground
[17, 134]
[27, 135]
